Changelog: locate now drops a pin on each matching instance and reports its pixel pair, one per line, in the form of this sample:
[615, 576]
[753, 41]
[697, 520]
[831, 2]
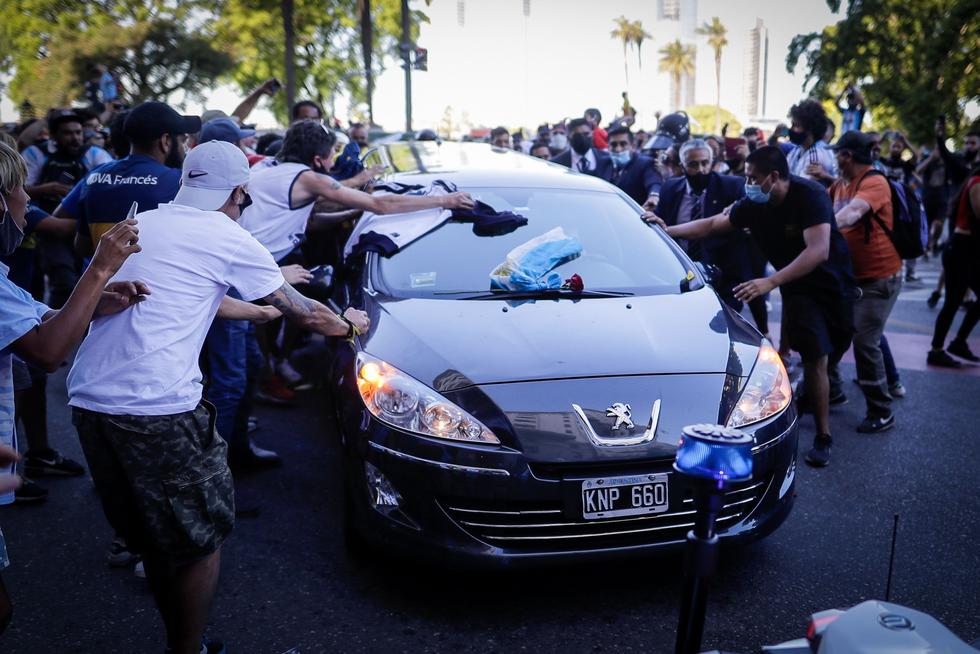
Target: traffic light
[421, 59]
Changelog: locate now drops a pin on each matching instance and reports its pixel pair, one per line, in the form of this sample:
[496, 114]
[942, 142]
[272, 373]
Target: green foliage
[912, 60]
[154, 47]
[703, 119]
[328, 48]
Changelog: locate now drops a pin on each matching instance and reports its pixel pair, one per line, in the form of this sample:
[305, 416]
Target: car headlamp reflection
[401, 401]
[767, 391]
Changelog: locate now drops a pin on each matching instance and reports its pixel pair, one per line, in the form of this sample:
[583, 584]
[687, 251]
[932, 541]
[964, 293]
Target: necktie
[583, 165]
[697, 211]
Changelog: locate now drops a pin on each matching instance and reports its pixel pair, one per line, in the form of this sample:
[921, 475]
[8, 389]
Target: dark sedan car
[513, 426]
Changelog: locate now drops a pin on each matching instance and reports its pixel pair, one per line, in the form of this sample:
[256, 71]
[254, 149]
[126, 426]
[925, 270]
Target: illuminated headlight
[767, 391]
[398, 400]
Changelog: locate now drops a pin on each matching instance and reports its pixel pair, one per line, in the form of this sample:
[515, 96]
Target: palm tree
[624, 32]
[716, 32]
[639, 36]
[677, 60]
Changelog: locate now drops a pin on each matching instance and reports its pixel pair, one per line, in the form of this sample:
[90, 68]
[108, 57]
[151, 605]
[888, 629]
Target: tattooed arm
[312, 186]
[314, 316]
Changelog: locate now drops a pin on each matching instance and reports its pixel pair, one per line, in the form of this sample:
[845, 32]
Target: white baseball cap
[211, 172]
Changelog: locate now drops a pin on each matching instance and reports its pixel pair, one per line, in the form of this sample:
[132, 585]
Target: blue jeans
[891, 370]
[234, 360]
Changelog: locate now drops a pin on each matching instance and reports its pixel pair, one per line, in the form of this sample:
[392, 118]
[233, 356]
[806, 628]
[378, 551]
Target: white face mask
[559, 141]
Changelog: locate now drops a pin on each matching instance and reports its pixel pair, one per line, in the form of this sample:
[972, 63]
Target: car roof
[477, 165]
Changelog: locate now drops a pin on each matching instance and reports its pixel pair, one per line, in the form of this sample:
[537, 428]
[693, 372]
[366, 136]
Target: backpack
[910, 229]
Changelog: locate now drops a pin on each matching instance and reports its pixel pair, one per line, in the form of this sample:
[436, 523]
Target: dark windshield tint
[619, 251]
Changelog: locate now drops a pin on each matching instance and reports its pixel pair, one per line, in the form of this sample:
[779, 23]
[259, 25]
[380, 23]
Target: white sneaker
[139, 570]
[288, 373]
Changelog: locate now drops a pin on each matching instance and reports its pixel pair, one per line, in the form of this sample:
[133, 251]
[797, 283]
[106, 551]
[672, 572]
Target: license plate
[618, 496]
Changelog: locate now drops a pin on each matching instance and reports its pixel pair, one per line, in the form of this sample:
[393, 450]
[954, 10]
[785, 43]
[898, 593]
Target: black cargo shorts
[163, 480]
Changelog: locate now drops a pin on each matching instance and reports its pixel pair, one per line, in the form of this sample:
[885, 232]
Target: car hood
[451, 344]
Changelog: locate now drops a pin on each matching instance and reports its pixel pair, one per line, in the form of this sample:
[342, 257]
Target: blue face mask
[620, 158]
[755, 193]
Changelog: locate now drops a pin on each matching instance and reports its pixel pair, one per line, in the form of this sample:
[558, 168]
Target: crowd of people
[235, 231]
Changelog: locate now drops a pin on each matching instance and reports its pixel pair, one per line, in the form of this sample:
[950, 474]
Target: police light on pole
[421, 59]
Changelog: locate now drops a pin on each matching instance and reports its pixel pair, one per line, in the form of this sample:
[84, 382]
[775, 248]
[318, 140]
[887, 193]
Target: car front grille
[547, 527]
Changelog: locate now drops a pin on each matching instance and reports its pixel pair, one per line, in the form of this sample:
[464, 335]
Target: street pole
[406, 48]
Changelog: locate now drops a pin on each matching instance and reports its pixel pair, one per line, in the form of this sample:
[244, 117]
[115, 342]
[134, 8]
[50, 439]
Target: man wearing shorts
[158, 464]
[792, 221]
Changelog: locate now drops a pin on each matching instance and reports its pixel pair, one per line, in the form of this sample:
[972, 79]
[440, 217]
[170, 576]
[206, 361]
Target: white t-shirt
[144, 360]
[271, 218]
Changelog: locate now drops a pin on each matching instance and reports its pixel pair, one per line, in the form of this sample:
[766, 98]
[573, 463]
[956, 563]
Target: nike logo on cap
[196, 173]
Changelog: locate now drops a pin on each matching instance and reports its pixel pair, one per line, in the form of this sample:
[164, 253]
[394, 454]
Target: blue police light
[715, 453]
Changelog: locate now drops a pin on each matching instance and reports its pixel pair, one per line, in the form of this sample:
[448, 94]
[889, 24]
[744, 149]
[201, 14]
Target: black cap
[64, 116]
[857, 143]
[673, 129]
[151, 120]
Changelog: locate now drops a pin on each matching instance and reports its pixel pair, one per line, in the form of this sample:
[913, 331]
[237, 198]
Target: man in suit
[700, 193]
[634, 173]
[582, 157]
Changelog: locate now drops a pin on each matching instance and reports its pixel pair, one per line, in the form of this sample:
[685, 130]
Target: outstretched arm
[310, 314]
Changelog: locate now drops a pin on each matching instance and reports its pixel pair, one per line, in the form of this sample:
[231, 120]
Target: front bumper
[475, 505]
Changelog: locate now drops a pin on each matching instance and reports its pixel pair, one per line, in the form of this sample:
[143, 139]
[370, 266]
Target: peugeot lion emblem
[622, 413]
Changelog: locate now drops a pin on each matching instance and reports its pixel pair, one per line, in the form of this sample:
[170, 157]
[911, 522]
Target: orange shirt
[878, 258]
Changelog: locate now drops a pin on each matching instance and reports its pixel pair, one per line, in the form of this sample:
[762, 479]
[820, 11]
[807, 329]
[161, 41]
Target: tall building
[756, 71]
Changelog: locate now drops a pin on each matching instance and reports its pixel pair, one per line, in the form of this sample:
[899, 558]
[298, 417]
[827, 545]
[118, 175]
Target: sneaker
[912, 278]
[962, 350]
[288, 374]
[30, 493]
[273, 391]
[941, 359]
[838, 399]
[253, 424]
[139, 570]
[50, 462]
[208, 646]
[934, 299]
[819, 454]
[119, 555]
[874, 425]
[897, 389]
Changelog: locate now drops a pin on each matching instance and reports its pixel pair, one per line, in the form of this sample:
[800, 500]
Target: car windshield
[619, 251]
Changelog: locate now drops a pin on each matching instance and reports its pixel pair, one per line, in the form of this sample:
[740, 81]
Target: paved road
[287, 582]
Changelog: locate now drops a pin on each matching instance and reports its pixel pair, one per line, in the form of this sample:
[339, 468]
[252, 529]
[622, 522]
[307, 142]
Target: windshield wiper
[539, 294]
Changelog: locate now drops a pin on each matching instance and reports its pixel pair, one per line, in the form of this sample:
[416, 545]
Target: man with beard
[52, 169]
[811, 158]
[149, 176]
[583, 157]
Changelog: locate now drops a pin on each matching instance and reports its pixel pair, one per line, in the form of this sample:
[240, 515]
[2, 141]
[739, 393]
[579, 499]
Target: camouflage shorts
[163, 480]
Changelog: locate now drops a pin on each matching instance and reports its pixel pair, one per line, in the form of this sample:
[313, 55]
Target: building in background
[755, 76]
[678, 19]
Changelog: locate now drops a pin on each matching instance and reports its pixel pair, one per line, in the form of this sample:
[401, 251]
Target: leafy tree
[716, 32]
[913, 60]
[153, 47]
[328, 47]
[677, 60]
[703, 115]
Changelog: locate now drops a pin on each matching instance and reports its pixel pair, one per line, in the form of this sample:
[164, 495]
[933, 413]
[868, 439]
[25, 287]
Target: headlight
[767, 391]
[398, 400]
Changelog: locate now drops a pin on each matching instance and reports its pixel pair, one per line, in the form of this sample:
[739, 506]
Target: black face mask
[797, 138]
[11, 234]
[245, 203]
[581, 143]
[970, 155]
[698, 182]
[175, 155]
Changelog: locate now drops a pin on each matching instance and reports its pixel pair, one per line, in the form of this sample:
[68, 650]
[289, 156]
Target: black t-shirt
[779, 233]
[898, 170]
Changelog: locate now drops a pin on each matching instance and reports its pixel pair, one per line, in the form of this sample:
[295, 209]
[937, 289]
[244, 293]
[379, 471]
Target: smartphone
[132, 211]
[275, 86]
[731, 144]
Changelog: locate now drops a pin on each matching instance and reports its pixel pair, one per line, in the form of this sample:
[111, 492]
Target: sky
[501, 68]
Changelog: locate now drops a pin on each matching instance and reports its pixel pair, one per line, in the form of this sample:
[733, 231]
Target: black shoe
[912, 278]
[934, 299]
[941, 359]
[962, 350]
[30, 493]
[254, 457]
[819, 454]
[50, 462]
[838, 399]
[119, 555]
[874, 425]
[208, 646]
